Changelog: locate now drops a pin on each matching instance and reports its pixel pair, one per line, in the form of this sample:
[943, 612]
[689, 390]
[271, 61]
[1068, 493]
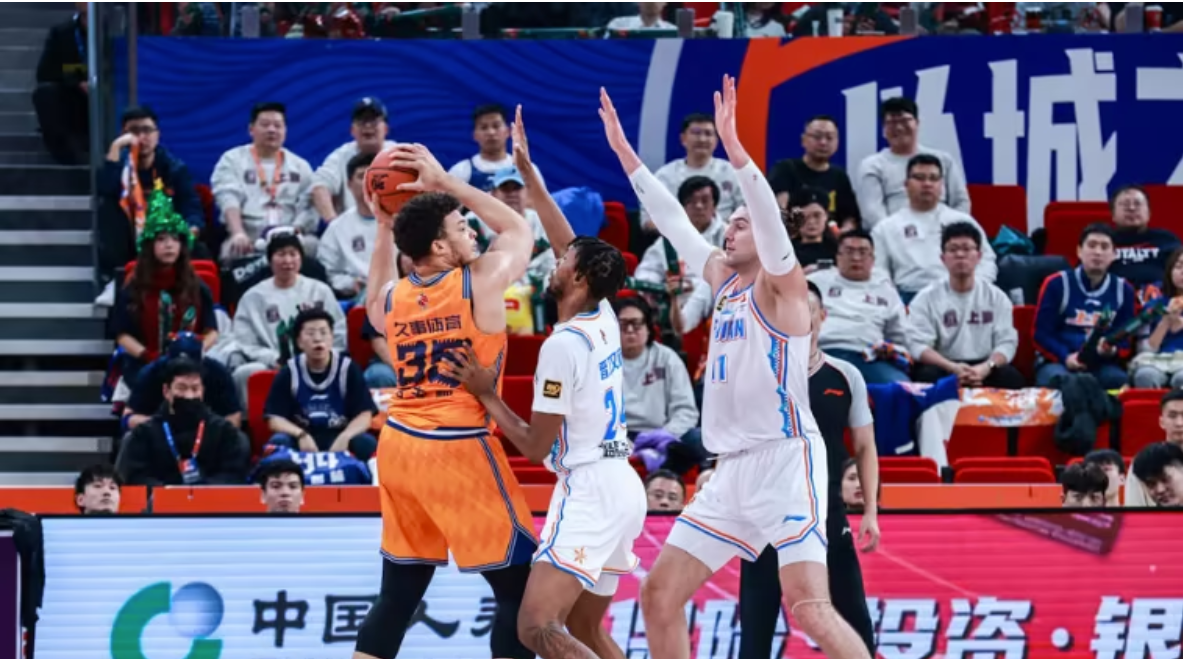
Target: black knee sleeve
[381, 634]
[509, 585]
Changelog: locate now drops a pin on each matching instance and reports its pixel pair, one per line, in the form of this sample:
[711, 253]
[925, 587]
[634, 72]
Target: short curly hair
[601, 265]
[420, 223]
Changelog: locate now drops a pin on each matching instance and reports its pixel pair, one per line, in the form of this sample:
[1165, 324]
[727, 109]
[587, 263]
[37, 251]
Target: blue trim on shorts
[522, 544]
[442, 433]
[550, 560]
[412, 561]
[716, 536]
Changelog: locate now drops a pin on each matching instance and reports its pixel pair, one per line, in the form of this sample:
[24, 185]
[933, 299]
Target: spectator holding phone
[815, 244]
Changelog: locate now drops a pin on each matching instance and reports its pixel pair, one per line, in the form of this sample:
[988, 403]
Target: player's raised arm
[383, 269]
[535, 439]
[663, 207]
[507, 258]
[773, 245]
[558, 229]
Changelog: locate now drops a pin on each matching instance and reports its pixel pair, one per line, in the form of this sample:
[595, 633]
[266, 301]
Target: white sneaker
[107, 297]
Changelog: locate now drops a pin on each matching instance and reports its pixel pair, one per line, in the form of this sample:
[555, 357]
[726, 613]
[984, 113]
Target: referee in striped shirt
[838, 397]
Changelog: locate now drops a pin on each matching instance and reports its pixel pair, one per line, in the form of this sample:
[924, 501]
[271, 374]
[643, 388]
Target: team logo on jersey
[552, 389]
[422, 300]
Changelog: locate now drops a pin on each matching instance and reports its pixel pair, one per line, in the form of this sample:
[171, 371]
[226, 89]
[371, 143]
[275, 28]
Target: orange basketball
[383, 179]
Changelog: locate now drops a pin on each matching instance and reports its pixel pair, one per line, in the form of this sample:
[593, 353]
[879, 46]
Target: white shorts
[774, 494]
[596, 513]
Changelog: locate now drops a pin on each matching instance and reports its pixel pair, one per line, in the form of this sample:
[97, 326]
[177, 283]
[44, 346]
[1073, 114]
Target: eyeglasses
[856, 252]
[142, 130]
[823, 137]
[632, 325]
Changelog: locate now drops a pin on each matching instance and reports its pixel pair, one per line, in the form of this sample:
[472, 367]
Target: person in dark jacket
[135, 166]
[60, 98]
[184, 443]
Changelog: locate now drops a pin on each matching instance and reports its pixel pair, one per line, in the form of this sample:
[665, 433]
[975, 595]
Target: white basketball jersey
[756, 387]
[580, 375]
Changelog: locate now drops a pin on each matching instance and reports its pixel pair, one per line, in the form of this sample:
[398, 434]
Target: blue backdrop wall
[1044, 112]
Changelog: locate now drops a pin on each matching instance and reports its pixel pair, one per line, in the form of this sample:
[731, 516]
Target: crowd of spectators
[906, 272]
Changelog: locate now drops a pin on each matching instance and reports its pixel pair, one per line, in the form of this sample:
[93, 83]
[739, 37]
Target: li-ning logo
[194, 611]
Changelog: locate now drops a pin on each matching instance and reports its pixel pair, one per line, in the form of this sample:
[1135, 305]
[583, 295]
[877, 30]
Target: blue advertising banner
[1043, 112]
[10, 598]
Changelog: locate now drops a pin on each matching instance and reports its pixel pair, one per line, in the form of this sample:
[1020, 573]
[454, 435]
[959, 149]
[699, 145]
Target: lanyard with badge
[190, 472]
[271, 208]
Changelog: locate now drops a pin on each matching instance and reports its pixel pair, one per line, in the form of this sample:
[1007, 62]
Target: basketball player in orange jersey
[445, 483]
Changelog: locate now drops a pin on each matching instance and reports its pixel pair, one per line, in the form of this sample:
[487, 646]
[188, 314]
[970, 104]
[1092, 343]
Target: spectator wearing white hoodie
[863, 310]
[330, 182]
[908, 243]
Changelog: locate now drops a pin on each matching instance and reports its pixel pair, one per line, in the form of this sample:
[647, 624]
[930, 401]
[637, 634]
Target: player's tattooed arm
[558, 230]
[533, 440]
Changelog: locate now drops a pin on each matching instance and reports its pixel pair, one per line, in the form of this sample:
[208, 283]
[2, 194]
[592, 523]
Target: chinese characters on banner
[1017, 586]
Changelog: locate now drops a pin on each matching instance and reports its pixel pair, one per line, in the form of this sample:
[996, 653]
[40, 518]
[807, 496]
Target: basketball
[383, 179]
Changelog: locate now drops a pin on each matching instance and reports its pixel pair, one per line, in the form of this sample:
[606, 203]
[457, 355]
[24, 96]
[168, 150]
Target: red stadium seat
[1040, 442]
[1133, 394]
[694, 345]
[534, 475]
[976, 441]
[907, 461]
[988, 475]
[518, 393]
[995, 206]
[1165, 200]
[1024, 321]
[257, 388]
[521, 356]
[1139, 425]
[630, 262]
[1002, 463]
[360, 349]
[615, 231]
[626, 292]
[1064, 220]
[908, 475]
[206, 196]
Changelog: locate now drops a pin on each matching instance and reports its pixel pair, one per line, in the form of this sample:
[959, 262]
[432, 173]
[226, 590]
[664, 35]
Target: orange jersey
[425, 319]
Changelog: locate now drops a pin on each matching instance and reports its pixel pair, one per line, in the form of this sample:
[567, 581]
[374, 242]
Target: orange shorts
[455, 494]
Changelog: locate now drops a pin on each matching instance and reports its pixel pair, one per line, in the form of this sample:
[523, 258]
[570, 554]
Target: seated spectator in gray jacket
[865, 318]
[962, 325]
[657, 394]
[184, 443]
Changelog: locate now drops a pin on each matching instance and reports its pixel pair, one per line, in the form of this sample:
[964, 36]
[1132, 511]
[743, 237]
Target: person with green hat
[162, 295]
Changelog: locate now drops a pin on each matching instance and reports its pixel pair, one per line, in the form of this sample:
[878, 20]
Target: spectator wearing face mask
[665, 491]
[1084, 486]
[282, 482]
[147, 396]
[97, 490]
[184, 443]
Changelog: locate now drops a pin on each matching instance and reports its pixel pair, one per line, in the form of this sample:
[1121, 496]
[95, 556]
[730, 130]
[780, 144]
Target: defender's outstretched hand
[725, 110]
[432, 176]
[521, 146]
[615, 134]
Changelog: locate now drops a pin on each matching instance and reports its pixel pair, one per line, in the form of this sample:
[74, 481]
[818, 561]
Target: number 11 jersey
[425, 319]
